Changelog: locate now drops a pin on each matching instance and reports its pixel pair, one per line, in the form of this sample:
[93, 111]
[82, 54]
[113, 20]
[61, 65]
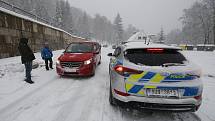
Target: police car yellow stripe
[157, 78]
[141, 92]
[136, 77]
[150, 86]
[128, 86]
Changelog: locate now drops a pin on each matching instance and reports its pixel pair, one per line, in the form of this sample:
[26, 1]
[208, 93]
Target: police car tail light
[121, 93]
[156, 50]
[199, 97]
[123, 70]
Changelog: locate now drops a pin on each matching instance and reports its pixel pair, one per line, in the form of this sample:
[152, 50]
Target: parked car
[155, 77]
[79, 59]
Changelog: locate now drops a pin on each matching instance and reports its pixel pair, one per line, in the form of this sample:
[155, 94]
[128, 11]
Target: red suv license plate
[70, 69]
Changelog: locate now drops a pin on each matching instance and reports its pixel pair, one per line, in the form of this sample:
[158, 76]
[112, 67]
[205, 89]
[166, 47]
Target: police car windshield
[144, 57]
[79, 48]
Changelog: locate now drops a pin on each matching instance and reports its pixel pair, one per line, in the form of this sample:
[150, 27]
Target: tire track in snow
[88, 107]
[189, 116]
[15, 106]
[72, 102]
[15, 109]
[16, 102]
[89, 104]
[13, 91]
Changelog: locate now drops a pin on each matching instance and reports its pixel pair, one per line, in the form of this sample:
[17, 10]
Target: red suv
[79, 59]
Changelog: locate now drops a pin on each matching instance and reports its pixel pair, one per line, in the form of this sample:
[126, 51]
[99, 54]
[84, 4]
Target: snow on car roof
[141, 40]
[138, 45]
[139, 36]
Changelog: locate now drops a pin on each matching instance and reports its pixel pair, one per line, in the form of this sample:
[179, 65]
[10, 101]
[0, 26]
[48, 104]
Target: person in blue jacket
[47, 55]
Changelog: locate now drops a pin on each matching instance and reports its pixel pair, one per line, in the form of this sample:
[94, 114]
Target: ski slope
[53, 98]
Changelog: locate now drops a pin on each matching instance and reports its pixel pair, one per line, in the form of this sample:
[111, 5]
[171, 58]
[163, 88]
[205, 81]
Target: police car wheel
[112, 100]
[100, 60]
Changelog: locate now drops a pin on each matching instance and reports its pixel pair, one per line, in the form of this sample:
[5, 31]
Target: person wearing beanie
[27, 56]
[47, 55]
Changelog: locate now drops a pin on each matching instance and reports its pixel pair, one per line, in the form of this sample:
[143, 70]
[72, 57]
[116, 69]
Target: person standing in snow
[27, 56]
[47, 55]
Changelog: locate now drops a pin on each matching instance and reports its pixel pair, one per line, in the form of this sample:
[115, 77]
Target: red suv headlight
[58, 62]
[87, 62]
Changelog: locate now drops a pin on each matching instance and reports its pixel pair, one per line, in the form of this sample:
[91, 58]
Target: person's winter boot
[29, 81]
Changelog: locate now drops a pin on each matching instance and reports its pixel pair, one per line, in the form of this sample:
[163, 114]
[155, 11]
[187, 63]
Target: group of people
[27, 57]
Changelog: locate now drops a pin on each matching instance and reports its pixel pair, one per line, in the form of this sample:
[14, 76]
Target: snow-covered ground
[52, 98]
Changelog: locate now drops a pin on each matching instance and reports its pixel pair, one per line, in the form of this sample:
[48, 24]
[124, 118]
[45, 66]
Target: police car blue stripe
[144, 80]
[191, 91]
[149, 75]
[119, 62]
[135, 89]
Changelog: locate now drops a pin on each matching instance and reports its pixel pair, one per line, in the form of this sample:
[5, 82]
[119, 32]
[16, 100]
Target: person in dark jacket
[27, 56]
[47, 55]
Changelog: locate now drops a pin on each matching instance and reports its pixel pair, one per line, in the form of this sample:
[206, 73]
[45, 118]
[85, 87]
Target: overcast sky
[148, 15]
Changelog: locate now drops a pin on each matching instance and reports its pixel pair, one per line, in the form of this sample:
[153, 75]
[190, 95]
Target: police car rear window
[154, 58]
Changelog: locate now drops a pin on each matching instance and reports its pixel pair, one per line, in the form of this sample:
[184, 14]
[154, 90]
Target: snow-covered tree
[76, 21]
[175, 37]
[161, 36]
[129, 31]
[83, 26]
[197, 24]
[211, 6]
[118, 29]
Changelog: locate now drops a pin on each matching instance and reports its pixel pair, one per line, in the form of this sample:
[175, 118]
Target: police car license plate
[162, 93]
[70, 69]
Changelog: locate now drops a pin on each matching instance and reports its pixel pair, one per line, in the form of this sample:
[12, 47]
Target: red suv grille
[71, 64]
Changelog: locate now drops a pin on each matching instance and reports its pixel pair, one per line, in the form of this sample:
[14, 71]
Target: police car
[153, 76]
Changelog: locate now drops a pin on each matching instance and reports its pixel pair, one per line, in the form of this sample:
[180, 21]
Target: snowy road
[52, 98]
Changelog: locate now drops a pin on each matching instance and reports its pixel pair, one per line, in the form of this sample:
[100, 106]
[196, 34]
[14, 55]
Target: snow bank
[205, 59]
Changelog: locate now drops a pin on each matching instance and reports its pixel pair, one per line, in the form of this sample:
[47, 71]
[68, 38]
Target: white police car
[154, 76]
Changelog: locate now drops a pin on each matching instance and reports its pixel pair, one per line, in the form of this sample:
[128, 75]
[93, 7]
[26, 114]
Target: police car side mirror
[109, 54]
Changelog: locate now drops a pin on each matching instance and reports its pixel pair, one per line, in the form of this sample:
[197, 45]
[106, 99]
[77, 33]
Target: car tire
[100, 60]
[109, 71]
[112, 100]
[94, 70]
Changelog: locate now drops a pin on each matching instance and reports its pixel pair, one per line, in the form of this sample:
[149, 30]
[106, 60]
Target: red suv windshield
[79, 48]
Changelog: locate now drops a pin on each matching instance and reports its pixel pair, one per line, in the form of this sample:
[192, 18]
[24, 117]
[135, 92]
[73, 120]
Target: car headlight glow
[58, 62]
[88, 61]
